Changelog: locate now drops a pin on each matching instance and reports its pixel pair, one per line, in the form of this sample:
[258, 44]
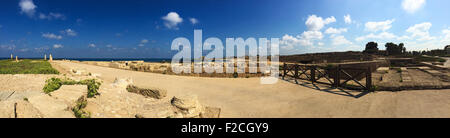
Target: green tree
[371, 48]
[394, 49]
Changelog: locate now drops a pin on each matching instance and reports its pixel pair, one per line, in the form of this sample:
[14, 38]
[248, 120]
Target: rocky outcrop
[189, 107]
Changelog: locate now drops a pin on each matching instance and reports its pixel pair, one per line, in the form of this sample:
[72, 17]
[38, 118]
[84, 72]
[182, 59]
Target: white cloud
[348, 19]
[27, 7]
[307, 38]
[446, 38]
[340, 40]
[8, 47]
[382, 35]
[52, 15]
[320, 44]
[315, 23]
[91, 45]
[57, 46]
[69, 32]
[51, 36]
[379, 26]
[171, 20]
[412, 6]
[193, 20]
[41, 49]
[332, 30]
[143, 41]
[420, 31]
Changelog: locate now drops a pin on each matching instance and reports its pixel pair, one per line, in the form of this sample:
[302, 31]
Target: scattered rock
[139, 116]
[96, 75]
[185, 102]
[148, 92]
[122, 83]
[210, 112]
[188, 105]
[78, 72]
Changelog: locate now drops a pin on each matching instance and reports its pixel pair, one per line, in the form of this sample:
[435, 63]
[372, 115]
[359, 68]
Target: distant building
[447, 48]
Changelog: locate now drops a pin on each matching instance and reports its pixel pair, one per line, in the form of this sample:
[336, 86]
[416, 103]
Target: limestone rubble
[22, 96]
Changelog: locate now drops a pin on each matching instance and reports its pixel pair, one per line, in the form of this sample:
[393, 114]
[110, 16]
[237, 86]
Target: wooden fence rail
[336, 76]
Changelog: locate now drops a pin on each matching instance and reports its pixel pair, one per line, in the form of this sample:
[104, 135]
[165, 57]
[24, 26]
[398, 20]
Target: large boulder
[188, 105]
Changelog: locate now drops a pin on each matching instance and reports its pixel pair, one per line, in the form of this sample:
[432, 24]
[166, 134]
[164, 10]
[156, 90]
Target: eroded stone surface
[148, 92]
[70, 93]
[23, 109]
[51, 107]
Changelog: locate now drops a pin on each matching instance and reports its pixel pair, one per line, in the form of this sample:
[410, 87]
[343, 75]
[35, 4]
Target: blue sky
[146, 28]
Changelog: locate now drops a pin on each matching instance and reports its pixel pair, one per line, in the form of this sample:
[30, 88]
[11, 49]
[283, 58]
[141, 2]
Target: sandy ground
[246, 97]
[447, 63]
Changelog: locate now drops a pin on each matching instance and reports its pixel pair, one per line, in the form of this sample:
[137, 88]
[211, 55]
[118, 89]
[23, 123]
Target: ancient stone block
[210, 112]
[24, 109]
[70, 93]
[148, 92]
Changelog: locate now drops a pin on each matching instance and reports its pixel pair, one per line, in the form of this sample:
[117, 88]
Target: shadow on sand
[328, 88]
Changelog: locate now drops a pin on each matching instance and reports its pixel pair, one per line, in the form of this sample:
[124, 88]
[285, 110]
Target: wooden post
[337, 79]
[296, 73]
[369, 79]
[313, 74]
[284, 70]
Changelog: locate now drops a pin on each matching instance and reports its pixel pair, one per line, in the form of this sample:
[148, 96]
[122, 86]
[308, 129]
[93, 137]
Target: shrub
[399, 70]
[54, 84]
[78, 109]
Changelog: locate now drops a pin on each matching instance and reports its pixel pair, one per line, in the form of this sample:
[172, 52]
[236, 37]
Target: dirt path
[246, 97]
[447, 63]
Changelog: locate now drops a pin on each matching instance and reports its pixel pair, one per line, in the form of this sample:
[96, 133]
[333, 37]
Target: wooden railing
[336, 76]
